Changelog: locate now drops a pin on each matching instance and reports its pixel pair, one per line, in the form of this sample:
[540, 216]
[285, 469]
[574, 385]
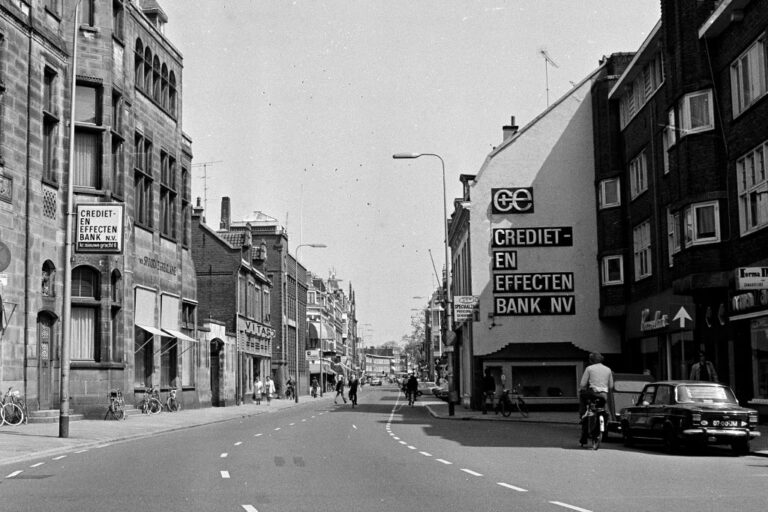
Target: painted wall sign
[533, 237]
[659, 320]
[751, 278]
[528, 305]
[504, 260]
[464, 307]
[533, 282]
[99, 227]
[512, 200]
[157, 264]
[255, 329]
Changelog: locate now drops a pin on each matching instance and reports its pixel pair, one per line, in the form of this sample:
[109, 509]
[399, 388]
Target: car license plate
[725, 423]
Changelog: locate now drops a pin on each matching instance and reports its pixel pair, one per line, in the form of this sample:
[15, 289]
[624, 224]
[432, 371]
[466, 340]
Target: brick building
[133, 306]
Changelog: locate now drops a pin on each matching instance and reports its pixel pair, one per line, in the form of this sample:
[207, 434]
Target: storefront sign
[464, 307]
[659, 320]
[534, 282]
[533, 237]
[512, 200]
[255, 329]
[751, 278]
[505, 260]
[529, 305]
[749, 300]
[99, 227]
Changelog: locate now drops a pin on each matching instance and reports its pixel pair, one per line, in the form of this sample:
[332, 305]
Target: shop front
[254, 350]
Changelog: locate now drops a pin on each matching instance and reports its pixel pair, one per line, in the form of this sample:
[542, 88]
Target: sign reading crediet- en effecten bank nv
[99, 227]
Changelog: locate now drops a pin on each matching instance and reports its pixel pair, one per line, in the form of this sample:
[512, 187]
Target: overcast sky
[301, 104]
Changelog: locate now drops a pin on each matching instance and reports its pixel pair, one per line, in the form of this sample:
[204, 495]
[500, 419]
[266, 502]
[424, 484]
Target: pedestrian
[353, 383]
[340, 389]
[703, 370]
[314, 386]
[269, 389]
[411, 388]
[489, 390]
[258, 390]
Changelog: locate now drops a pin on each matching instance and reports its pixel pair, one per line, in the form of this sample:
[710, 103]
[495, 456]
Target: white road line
[291, 424]
[578, 509]
[278, 428]
[396, 438]
[225, 474]
[402, 442]
[518, 489]
[305, 419]
[411, 447]
[223, 455]
[238, 443]
[15, 473]
[249, 508]
[443, 461]
[354, 426]
[426, 454]
[37, 465]
[59, 457]
[81, 451]
[257, 435]
[473, 473]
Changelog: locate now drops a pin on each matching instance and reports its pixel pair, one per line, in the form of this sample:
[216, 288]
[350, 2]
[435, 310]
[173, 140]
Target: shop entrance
[45, 352]
[217, 365]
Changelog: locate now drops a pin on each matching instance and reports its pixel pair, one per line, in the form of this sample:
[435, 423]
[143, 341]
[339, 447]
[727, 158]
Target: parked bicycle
[116, 407]
[510, 401]
[14, 408]
[172, 403]
[150, 402]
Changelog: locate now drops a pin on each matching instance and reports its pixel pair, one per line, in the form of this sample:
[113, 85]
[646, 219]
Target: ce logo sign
[512, 200]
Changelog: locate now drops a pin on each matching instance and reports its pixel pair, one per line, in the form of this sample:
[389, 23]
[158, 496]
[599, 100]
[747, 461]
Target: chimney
[225, 214]
[509, 130]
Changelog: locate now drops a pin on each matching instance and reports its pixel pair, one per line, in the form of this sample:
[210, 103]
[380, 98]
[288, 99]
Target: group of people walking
[354, 383]
[266, 390]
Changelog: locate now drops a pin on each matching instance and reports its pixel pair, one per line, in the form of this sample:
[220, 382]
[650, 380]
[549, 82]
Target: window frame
[744, 95]
[685, 113]
[691, 217]
[604, 184]
[606, 271]
[674, 239]
[641, 250]
[638, 175]
[752, 183]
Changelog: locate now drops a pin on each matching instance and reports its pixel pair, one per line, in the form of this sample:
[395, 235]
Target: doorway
[45, 351]
[216, 371]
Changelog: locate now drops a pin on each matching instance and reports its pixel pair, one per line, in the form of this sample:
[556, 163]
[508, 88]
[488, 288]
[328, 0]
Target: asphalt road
[382, 456]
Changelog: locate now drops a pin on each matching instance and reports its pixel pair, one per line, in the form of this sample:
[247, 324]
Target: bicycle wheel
[506, 407]
[155, 406]
[522, 407]
[12, 414]
[118, 412]
[172, 404]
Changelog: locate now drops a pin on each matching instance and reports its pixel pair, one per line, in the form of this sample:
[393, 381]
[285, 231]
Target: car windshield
[692, 393]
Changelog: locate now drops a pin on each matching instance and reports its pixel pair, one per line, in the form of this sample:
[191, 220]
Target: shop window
[168, 361]
[759, 335]
[118, 19]
[144, 343]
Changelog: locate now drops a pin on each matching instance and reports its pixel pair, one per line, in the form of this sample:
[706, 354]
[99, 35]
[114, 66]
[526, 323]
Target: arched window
[148, 71]
[48, 281]
[164, 87]
[84, 326]
[156, 80]
[172, 94]
[138, 64]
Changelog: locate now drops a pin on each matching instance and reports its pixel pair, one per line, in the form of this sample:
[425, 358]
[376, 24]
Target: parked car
[375, 381]
[626, 388]
[694, 413]
[441, 391]
[425, 387]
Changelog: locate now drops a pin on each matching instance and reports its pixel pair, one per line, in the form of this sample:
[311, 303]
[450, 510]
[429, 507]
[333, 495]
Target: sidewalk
[439, 409]
[35, 440]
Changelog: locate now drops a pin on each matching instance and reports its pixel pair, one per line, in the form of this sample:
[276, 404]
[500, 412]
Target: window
[267, 305]
[641, 241]
[697, 113]
[673, 234]
[702, 223]
[118, 15]
[748, 77]
[147, 71]
[118, 153]
[155, 91]
[48, 280]
[668, 138]
[185, 206]
[84, 329]
[609, 193]
[169, 350]
[638, 175]
[50, 126]
[87, 160]
[138, 64]
[86, 12]
[613, 270]
[752, 180]
[648, 81]
[143, 181]
[167, 195]
[172, 94]
[53, 6]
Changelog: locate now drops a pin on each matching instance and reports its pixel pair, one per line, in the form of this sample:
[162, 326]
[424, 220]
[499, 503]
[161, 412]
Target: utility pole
[205, 165]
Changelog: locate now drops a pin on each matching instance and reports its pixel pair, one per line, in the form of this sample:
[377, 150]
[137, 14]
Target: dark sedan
[692, 413]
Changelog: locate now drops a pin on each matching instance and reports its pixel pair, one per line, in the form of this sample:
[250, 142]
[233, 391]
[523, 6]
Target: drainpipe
[27, 213]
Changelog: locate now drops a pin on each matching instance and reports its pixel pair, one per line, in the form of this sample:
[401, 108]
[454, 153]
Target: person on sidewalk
[340, 389]
[489, 390]
[269, 389]
[258, 390]
[353, 383]
[703, 370]
[314, 386]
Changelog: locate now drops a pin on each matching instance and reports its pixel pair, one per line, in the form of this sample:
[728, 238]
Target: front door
[215, 372]
[45, 349]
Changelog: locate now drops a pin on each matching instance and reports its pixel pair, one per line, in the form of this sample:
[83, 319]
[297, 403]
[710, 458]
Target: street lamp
[448, 299]
[296, 297]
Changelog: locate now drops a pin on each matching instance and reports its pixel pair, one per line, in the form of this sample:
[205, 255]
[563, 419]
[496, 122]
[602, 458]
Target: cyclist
[411, 387]
[595, 383]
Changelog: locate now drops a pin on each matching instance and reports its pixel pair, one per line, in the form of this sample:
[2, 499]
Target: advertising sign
[512, 200]
[751, 278]
[99, 227]
[556, 236]
[464, 307]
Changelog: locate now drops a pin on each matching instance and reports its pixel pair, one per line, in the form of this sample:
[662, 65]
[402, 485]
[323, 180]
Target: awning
[152, 330]
[179, 335]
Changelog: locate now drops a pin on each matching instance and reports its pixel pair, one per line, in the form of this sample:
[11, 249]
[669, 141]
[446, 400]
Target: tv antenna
[547, 61]
[205, 165]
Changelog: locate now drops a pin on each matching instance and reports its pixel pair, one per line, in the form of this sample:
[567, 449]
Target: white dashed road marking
[426, 454]
[223, 455]
[278, 428]
[257, 435]
[249, 508]
[578, 509]
[37, 465]
[443, 461]
[473, 473]
[508, 486]
[238, 443]
[59, 457]
[225, 474]
[15, 473]
[411, 447]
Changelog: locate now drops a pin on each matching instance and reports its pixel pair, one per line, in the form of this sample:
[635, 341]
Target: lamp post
[448, 298]
[296, 297]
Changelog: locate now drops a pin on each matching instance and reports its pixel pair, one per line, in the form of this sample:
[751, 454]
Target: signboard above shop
[99, 227]
[464, 307]
[751, 278]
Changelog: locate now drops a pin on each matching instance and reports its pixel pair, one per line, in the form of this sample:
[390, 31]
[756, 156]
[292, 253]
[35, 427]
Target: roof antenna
[547, 61]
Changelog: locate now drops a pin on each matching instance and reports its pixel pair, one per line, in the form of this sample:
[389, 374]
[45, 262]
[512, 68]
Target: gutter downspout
[27, 212]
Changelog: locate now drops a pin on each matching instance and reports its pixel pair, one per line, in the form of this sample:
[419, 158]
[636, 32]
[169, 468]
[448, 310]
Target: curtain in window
[705, 220]
[699, 111]
[188, 363]
[168, 361]
[83, 333]
[87, 157]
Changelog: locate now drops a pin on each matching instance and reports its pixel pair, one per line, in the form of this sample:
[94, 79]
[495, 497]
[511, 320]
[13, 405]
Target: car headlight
[753, 418]
[696, 418]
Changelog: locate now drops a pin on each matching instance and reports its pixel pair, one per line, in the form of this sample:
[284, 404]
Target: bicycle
[510, 401]
[116, 407]
[150, 402]
[14, 409]
[171, 403]
[593, 423]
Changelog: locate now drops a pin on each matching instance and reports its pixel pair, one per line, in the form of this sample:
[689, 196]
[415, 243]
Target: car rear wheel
[740, 447]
